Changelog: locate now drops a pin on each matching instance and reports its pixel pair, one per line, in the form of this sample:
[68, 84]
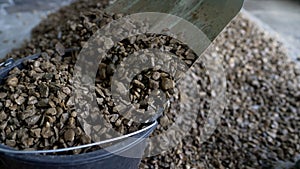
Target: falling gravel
[259, 127]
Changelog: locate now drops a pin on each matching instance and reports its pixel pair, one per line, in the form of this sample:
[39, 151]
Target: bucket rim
[8, 150]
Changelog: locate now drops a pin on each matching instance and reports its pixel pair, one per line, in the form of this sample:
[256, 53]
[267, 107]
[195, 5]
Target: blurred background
[282, 17]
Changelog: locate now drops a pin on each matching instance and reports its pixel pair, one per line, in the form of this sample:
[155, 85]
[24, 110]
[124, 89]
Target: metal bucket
[126, 154]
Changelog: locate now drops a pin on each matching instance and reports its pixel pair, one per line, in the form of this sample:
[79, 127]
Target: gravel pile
[261, 123]
[259, 127]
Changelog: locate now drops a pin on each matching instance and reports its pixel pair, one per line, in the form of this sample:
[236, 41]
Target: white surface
[18, 17]
[283, 16]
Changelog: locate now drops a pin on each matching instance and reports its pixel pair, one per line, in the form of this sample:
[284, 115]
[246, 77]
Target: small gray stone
[69, 135]
[46, 132]
[32, 120]
[36, 132]
[156, 75]
[3, 95]
[167, 84]
[60, 49]
[20, 100]
[32, 100]
[3, 116]
[44, 90]
[12, 81]
[51, 111]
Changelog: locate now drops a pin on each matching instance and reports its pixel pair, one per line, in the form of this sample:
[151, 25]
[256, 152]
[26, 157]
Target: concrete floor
[280, 17]
[18, 17]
